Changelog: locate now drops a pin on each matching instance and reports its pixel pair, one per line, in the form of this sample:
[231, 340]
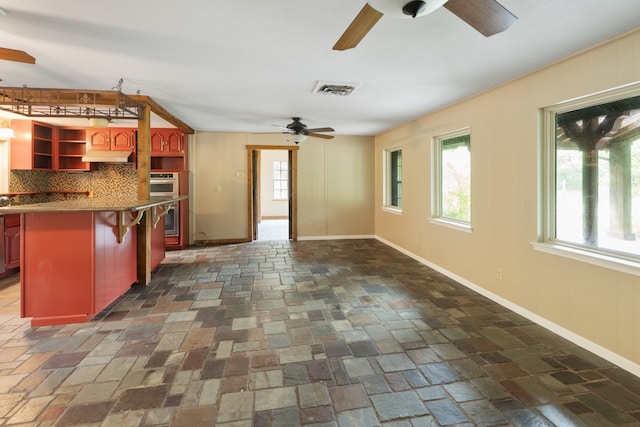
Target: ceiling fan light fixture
[414, 8]
[396, 8]
[298, 137]
[98, 122]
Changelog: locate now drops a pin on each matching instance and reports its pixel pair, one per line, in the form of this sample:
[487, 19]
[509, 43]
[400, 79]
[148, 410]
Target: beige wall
[599, 305]
[335, 185]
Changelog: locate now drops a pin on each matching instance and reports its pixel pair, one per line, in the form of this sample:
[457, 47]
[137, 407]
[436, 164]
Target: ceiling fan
[16, 55]
[12, 54]
[300, 131]
[487, 16]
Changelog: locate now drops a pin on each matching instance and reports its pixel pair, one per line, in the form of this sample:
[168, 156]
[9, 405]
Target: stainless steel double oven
[167, 184]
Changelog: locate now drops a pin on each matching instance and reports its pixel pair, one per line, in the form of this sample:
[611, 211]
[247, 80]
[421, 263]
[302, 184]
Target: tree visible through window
[280, 180]
[451, 177]
[393, 193]
[596, 184]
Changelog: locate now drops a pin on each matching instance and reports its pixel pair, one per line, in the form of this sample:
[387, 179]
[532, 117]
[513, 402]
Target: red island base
[73, 265]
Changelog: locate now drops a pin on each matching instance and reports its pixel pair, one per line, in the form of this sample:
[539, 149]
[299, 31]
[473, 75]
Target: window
[591, 175]
[280, 180]
[393, 179]
[451, 179]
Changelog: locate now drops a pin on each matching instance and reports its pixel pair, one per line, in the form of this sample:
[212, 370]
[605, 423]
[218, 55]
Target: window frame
[437, 216]
[388, 184]
[546, 240]
[274, 180]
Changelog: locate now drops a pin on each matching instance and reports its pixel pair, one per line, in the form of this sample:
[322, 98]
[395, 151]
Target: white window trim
[546, 187]
[386, 191]
[452, 223]
[436, 183]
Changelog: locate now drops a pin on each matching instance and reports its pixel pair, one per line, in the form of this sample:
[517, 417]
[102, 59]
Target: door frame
[254, 182]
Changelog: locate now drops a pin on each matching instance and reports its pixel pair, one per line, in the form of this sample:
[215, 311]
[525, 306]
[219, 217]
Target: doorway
[272, 192]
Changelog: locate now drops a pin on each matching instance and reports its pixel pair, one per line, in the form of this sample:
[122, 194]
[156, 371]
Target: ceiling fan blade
[487, 16]
[314, 130]
[321, 135]
[16, 55]
[359, 27]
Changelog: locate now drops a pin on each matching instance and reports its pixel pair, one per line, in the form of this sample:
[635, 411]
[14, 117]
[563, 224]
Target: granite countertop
[96, 205]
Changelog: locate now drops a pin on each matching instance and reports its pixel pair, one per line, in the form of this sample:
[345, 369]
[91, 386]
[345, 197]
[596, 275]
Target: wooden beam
[160, 111]
[144, 192]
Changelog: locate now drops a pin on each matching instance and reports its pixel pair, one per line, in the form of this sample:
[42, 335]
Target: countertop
[96, 205]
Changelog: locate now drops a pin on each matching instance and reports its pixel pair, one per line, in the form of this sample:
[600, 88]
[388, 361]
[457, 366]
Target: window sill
[456, 225]
[601, 260]
[392, 210]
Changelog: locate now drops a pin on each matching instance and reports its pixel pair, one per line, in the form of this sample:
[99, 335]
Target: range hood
[106, 156]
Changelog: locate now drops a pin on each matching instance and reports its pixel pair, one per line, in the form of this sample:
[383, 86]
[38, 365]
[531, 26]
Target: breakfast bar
[78, 256]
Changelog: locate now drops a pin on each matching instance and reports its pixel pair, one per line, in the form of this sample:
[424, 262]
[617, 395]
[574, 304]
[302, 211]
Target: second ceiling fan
[487, 16]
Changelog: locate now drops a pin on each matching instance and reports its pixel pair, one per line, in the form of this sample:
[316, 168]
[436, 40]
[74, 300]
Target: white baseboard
[364, 236]
[579, 340]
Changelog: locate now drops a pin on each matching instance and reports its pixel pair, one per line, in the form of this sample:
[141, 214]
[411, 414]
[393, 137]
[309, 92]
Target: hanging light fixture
[98, 122]
[298, 137]
[405, 8]
[5, 131]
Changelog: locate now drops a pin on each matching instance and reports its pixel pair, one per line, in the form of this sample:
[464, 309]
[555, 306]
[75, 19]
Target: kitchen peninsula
[78, 256]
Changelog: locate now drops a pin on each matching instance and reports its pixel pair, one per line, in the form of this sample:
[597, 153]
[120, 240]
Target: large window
[451, 179]
[591, 175]
[393, 179]
[280, 180]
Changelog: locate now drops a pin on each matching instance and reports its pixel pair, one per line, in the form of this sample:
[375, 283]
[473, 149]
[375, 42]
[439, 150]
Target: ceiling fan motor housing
[404, 8]
[298, 127]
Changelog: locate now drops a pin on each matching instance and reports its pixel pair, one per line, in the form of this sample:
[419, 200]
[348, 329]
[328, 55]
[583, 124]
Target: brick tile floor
[316, 333]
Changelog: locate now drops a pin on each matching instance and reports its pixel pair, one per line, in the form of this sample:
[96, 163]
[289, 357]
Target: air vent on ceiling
[339, 89]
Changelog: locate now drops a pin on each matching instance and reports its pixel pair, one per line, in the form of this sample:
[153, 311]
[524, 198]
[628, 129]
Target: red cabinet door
[123, 139]
[12, 240]
[12, 246]
[174, 141]
[98, 139]
[167, 141]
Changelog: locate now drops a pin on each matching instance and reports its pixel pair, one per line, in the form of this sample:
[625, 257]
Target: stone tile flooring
[314, 333]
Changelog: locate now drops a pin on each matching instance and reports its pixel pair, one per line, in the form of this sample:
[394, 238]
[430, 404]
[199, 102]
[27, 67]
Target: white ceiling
[244, 66]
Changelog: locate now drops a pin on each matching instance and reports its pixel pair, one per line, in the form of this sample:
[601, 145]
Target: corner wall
[598, 305]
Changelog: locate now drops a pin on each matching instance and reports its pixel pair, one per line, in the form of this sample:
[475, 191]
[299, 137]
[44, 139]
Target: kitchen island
[78, 256]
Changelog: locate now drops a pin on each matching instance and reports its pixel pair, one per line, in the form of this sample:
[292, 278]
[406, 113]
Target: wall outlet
[499, 274]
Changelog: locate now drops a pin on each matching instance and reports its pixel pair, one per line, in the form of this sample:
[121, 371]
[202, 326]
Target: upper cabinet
[111, 139]
[33, 145]
[165, 141]
[168, 150]
[38, 146]
[72, 145]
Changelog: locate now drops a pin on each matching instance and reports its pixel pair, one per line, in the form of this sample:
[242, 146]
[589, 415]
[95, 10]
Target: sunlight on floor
[273, 229]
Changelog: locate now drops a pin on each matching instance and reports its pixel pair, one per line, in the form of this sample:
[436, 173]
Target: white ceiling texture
[244, 66]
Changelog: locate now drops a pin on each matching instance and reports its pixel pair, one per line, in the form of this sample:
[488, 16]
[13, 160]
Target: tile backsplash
[110, 180]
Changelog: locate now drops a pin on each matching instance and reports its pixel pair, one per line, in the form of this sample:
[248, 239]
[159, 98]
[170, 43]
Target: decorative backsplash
[110, 180]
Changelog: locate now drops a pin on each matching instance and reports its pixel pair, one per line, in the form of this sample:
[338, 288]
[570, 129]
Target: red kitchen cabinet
[72, 145]
[167, 141]
[12, 240]
[168, 150]
[111, 139]
[33, 145]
